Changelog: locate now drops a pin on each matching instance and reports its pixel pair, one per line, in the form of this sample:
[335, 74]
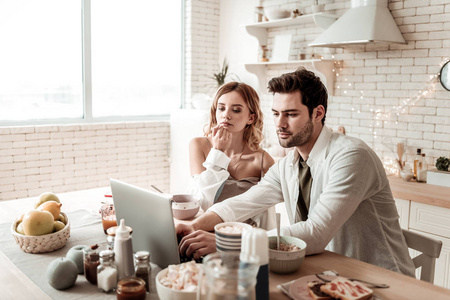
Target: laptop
[150, 216]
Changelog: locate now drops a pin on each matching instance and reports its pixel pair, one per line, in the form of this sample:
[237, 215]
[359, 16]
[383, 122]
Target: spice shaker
[107, 272]
[123, 248]
[143, 269]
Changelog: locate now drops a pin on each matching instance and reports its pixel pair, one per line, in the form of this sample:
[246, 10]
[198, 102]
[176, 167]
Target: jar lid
[106, 254]
[142, 255]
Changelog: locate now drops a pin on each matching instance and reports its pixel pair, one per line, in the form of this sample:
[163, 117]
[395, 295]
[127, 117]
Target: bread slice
[315, 292]
[344, 289]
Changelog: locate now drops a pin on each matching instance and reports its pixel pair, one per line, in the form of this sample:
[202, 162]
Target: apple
[37, 222]
[44, 197]
[76, 255]
[62, 273]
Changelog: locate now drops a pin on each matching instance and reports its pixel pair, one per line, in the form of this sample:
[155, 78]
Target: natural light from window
[135, 59]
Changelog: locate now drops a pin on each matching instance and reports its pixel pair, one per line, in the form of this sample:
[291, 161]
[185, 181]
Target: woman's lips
[225, 124]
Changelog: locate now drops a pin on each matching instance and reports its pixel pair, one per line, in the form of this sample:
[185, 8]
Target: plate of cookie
[312, 288]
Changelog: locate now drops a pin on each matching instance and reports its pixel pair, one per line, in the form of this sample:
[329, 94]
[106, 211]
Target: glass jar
[108, 216]
[91, 260]
[107, 272]
[131, 288]
[229, 278]
[143, 269]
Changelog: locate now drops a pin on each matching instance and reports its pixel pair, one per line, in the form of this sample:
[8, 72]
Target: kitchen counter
[420, 192]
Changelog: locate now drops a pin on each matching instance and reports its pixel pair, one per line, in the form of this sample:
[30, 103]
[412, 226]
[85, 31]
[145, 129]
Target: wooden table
[401, 286]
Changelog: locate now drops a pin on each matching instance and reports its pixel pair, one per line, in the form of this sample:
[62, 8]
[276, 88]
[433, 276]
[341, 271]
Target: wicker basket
[42, 243]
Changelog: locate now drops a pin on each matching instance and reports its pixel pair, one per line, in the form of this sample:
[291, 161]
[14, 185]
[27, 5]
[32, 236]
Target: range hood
[366, 22]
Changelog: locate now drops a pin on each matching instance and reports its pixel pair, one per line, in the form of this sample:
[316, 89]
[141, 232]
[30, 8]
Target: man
[335, 189]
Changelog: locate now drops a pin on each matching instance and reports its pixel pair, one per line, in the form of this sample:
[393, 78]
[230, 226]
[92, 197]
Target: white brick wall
[202, 50]
[66, 158]
[385, 75]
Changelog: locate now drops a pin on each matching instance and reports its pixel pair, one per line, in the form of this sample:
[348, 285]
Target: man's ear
[319, 113]
[251, 119]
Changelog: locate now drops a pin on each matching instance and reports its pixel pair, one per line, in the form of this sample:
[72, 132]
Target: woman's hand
[198, 244]
[221, 138]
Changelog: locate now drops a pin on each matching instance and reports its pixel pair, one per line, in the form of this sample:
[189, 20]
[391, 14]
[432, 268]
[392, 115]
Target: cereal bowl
[284, 262]
[185, 206]
[229, 236]
[168, 293]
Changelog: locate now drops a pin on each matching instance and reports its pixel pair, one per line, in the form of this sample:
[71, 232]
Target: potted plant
[222, 75]
[440, 175]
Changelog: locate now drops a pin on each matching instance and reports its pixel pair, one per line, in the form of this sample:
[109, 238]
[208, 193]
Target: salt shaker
[107, 272]
[255, 244]
[143, 268]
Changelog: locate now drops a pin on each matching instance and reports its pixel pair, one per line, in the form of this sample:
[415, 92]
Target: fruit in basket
[61, 218]
[62, 273]
[44, 197]
[53, 207]
[58, 225]
[19, 229]
[37, 222]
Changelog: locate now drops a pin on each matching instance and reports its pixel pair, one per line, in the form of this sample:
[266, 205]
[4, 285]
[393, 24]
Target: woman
[228, 160]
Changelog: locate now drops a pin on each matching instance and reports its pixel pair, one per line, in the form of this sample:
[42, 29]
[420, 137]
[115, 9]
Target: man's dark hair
[310, 86]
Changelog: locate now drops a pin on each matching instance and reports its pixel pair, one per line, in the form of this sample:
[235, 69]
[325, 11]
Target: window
[118, 59]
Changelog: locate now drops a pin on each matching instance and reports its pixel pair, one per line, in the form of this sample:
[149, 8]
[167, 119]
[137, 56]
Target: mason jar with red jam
[131, 288]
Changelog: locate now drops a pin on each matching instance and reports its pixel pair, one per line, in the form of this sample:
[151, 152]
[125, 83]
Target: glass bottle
[131, 288]
[107, 272]
[422, 170]
[417, 161]
[143, 269]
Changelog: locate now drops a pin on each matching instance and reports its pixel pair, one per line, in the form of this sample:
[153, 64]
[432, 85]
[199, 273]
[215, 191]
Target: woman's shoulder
[201, 141]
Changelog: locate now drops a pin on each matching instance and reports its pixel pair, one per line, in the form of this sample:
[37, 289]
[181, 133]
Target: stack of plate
[229, 236]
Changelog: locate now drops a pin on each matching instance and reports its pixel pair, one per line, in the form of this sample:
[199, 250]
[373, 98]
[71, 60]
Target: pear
[37, 222]
[44, 197]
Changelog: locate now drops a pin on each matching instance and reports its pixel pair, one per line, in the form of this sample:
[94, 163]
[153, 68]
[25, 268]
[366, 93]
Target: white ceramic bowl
[275, 13]
[227, 241]
[284, 262]
[167, 293]
[185, 206]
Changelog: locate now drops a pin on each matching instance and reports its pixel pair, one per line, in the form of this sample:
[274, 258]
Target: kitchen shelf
[322, 67]
[322, 20]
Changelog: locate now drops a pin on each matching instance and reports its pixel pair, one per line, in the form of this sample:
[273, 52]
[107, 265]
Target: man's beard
[300, 138]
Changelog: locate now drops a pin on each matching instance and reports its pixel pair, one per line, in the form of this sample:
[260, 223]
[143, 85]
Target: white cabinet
[323, 67]
[431, 221]
[403, 211]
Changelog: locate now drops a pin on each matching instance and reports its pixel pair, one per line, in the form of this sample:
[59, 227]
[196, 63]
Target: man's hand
[183, 229]
[198, 244]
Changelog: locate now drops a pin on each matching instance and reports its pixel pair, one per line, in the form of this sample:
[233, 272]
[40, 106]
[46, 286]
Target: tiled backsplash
[66, 158]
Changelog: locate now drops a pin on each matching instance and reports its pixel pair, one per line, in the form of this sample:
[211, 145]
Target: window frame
[87, 81]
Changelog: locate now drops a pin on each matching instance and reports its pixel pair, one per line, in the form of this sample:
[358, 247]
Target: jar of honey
[131, 288]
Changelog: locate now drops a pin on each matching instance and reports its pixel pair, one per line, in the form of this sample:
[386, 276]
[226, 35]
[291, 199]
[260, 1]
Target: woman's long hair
[253, 134]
